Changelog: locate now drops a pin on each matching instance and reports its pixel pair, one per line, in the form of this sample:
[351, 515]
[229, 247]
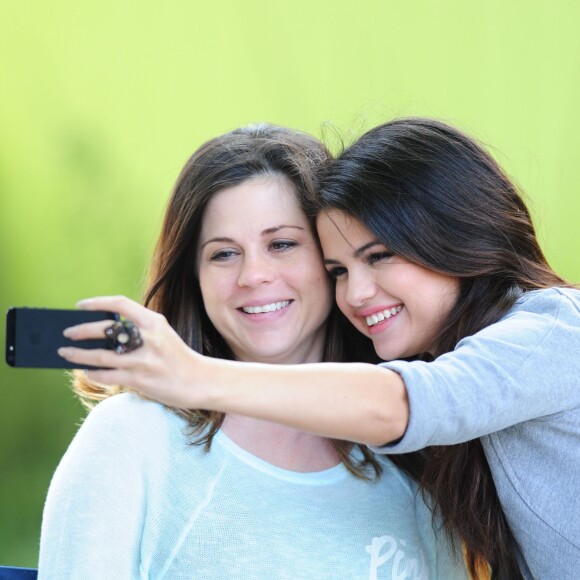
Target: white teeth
[266, 307]
[384, 314]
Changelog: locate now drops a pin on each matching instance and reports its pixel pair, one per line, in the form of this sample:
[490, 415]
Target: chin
[268, 355]
[389, 353]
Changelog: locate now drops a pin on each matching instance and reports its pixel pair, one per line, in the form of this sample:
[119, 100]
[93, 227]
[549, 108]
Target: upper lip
[370, 310]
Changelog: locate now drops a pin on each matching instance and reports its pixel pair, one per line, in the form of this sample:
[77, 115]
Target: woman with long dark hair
[148, 491]
[436, 260]
[452, 239]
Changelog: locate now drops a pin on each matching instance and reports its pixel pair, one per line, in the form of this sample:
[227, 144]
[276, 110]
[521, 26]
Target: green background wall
[102, 102]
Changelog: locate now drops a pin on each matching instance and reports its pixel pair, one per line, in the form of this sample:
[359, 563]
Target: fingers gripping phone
[33, 336]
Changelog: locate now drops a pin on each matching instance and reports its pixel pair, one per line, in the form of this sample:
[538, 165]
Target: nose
[255, 270]
[360, 287]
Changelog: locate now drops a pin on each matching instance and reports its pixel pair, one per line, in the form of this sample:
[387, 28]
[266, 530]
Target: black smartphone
[33, 336]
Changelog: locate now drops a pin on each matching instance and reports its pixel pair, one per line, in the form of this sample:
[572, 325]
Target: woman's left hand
[161, 368]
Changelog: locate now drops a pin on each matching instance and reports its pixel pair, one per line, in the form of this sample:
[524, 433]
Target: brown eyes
[281, 245]
[336, 272]
[375, 257]
[226, 254]
[378, 256]
[223, 255]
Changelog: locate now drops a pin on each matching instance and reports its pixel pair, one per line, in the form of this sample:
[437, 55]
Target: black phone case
[33, 336]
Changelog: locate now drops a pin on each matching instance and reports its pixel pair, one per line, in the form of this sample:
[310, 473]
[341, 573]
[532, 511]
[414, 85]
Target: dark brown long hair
[433, 195]
[173, 287]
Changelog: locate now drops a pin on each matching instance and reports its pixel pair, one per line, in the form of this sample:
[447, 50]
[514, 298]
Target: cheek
[310, 278]
[214, 287]
[309, 270]
[204, 284]
[450, 296]
[340, 295]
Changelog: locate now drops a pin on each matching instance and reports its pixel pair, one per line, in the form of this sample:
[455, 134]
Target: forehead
[338, 229]
[257, 203]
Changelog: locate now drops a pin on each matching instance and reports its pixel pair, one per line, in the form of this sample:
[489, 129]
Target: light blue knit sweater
[132, 499]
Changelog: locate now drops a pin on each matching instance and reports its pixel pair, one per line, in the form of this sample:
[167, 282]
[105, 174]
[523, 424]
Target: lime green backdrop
[102, 102]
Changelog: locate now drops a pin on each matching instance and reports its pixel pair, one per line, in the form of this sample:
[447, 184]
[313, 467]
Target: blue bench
[15, 573]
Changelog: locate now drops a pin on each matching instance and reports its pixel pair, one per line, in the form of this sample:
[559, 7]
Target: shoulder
[535, 314]
[128, 405]
[125, 435]
[539, 318]
[127, 417]
[550, 302]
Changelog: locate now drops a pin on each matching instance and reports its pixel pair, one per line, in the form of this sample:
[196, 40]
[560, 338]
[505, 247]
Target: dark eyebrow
[276, 228]
[362, 249]
[357, 253]
[266, 232]
[227, 240]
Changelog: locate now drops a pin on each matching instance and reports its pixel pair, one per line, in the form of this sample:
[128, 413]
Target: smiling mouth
[374, 319]
[265, 307]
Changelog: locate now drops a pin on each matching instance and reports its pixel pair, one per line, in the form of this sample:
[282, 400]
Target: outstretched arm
[352, 401]
[355, 401]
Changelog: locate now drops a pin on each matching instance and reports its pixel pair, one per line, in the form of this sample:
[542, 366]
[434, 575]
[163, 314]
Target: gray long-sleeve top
[516, 385]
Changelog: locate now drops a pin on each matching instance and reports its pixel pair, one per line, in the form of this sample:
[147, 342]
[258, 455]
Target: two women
[237, 275]
[435, 259]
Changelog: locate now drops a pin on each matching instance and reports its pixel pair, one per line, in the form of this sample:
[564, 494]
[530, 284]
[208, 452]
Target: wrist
[207, 383]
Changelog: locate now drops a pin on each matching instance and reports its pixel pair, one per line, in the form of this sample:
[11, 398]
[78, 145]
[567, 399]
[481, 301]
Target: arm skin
[356, 402]
[352, 401]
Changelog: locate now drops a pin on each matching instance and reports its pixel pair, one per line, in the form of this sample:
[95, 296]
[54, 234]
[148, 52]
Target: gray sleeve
[524, 367]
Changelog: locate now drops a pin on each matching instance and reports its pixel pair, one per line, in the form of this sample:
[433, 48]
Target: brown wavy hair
[173, 287]
[433, 195]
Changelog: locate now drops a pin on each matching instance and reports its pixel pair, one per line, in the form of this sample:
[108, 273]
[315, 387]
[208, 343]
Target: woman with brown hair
[145, 491]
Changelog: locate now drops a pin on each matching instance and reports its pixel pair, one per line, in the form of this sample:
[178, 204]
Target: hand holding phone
[33, 336]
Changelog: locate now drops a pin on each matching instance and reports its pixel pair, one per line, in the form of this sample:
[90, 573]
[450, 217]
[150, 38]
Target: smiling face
[396, 303]
[261, 274]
